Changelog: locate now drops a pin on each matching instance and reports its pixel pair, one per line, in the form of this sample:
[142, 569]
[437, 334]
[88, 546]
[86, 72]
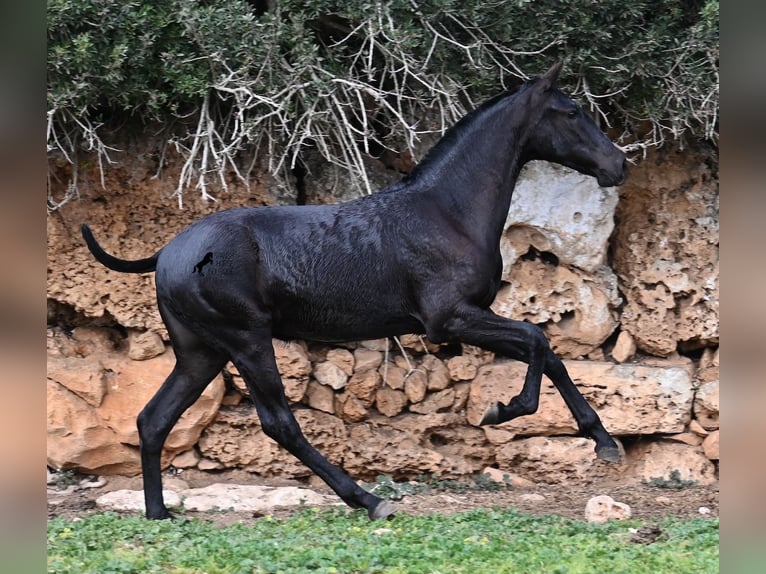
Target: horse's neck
[473, 180]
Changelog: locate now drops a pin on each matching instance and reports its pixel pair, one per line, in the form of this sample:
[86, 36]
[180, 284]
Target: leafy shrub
[349, 78]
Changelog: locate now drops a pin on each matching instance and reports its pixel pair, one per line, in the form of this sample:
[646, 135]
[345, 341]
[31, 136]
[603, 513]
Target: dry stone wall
[619, 281]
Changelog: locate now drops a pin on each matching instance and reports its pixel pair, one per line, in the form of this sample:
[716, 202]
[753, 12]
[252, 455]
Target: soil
[71, 497]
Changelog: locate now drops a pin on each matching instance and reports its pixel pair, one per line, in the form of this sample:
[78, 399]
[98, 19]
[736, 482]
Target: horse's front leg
[525, 342]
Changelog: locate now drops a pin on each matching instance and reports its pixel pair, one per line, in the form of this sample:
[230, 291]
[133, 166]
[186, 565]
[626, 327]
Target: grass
[344, 541]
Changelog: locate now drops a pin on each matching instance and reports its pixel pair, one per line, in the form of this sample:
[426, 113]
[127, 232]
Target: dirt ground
[73, 496]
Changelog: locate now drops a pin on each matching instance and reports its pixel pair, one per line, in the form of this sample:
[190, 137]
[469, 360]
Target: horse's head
[567, 135]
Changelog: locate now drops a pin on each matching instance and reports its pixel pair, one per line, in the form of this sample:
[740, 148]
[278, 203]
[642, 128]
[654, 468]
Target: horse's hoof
[491, 415]
[161, 515]
[383, 509]
[608, 453]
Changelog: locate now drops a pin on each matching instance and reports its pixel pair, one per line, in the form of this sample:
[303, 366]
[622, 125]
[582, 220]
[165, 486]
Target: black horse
[422, 256]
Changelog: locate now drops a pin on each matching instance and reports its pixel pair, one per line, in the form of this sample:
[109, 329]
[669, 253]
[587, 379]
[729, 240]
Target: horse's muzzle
[611, 179]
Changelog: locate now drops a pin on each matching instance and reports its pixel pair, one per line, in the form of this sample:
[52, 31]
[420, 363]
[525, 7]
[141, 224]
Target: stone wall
[622, 281]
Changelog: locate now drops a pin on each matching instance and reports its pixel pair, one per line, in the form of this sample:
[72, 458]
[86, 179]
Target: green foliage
[386, 487]
[674, 481]
[346, 541]
[353, 77]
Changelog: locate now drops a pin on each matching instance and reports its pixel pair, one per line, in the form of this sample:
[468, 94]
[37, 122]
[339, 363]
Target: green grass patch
[344, 541]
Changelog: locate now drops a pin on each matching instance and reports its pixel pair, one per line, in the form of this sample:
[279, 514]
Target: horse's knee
[535, 338]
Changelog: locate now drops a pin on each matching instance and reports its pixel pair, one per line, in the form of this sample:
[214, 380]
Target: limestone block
[630, 399]
[292, 359]
[350, 408]
[415, 386]
[438, 373]
[367, 359]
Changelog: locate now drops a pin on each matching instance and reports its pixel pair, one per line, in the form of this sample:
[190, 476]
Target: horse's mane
[436, 154]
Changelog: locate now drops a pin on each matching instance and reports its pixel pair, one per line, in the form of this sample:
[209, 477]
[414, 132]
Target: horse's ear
[550, 77]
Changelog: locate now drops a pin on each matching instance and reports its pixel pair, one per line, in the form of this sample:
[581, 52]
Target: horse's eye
[571, 114]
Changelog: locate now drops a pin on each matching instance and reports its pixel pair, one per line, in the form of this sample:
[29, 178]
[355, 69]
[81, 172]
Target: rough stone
[665, 252]
[462, 368]
[364, 385]
[415, 444]
[438, 373]
[350, 408]
[236, 440]
[415, 386]
[435, 402]
[343, 358]
[99, 436]
[624, 347]
[331, 375]
[576, 309]
[367, 359]
[601, 509]
[689, 438]
[187, 459]
[85, 377]
[630, 399]
[707, 404]
[321, 397]
[550, 459]
[292, 359]
[393, 376]
[144, 345]
[669, 461]
[390, 402]
[710, 445]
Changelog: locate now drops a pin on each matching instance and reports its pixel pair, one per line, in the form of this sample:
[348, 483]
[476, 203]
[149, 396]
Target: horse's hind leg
[254, 357]
[196, 365]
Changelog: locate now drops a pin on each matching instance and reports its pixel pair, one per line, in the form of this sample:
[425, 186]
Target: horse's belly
[341, 322]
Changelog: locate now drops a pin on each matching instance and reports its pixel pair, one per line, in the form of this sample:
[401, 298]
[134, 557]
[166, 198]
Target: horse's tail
[114, 263]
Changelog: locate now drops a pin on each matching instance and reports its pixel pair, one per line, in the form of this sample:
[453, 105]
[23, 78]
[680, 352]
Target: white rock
[331, 375]
[602, 508]
[251, 498]
[559, 210]
[532, 497]
[134, 500]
